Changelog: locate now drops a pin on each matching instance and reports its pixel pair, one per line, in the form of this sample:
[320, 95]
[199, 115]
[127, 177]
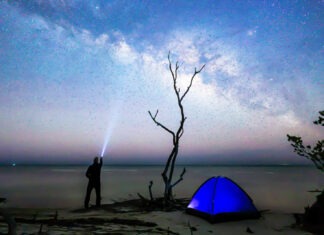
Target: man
[93, 174]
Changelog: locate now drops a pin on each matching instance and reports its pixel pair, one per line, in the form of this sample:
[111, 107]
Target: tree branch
[181, 133]
[150, 190]
[170, 68]
[191, 80]
[315, 154]
[180, 179]
[160, 124]
[320, 120]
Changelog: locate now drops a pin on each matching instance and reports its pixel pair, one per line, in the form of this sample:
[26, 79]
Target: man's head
[96, 160]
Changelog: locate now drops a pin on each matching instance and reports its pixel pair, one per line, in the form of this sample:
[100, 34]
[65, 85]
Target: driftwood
[158, 204]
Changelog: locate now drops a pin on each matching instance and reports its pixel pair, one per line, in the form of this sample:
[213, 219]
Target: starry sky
[74, 73]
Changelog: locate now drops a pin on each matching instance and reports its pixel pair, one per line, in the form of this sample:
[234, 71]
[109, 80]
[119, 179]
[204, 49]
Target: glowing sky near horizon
[64, 65]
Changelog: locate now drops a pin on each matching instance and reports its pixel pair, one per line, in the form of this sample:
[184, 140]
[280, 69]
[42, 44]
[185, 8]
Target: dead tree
[168, 171]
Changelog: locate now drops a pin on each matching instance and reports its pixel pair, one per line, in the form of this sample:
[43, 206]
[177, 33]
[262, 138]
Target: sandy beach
[124, 219]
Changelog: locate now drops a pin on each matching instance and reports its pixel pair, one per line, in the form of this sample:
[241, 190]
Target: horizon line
[157, 164]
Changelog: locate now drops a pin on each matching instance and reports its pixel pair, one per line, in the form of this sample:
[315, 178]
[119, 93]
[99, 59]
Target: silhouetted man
[93, 174]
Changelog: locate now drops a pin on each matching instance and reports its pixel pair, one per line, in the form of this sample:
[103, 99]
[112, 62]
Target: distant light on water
[111, 126]
[13, 164]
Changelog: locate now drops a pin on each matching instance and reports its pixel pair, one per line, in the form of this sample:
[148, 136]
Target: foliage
[315, 153]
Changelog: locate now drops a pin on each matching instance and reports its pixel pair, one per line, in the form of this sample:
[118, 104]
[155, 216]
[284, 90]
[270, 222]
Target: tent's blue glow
[221, 195]
[202, 200]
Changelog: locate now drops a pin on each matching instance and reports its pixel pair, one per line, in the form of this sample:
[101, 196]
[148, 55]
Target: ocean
[275, 188]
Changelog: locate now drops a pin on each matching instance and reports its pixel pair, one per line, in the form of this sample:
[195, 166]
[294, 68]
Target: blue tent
[220, 199]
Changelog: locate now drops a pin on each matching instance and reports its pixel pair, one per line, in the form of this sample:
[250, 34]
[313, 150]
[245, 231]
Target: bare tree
[168, 171]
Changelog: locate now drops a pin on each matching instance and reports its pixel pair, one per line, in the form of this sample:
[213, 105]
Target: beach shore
[279, 191]
[123, 218]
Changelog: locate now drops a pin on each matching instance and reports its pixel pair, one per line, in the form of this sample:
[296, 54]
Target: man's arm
[100, 163]
[88, 173]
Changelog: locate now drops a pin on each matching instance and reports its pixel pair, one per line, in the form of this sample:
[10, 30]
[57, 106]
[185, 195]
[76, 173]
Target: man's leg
[98, 195]
[87, 198]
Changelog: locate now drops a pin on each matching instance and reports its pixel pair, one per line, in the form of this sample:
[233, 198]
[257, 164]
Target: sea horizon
[278, 188]
[161, 164]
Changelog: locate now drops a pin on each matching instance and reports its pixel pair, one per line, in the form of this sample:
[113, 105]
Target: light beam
[111, 126]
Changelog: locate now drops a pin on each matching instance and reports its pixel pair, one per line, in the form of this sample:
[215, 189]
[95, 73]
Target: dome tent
[220, 199]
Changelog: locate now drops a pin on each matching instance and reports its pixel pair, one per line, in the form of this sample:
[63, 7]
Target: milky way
[65, 65]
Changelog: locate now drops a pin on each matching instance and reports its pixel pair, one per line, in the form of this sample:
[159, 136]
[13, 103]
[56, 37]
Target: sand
[124, 218]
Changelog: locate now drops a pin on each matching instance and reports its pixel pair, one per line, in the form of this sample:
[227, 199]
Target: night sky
[74, 72]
